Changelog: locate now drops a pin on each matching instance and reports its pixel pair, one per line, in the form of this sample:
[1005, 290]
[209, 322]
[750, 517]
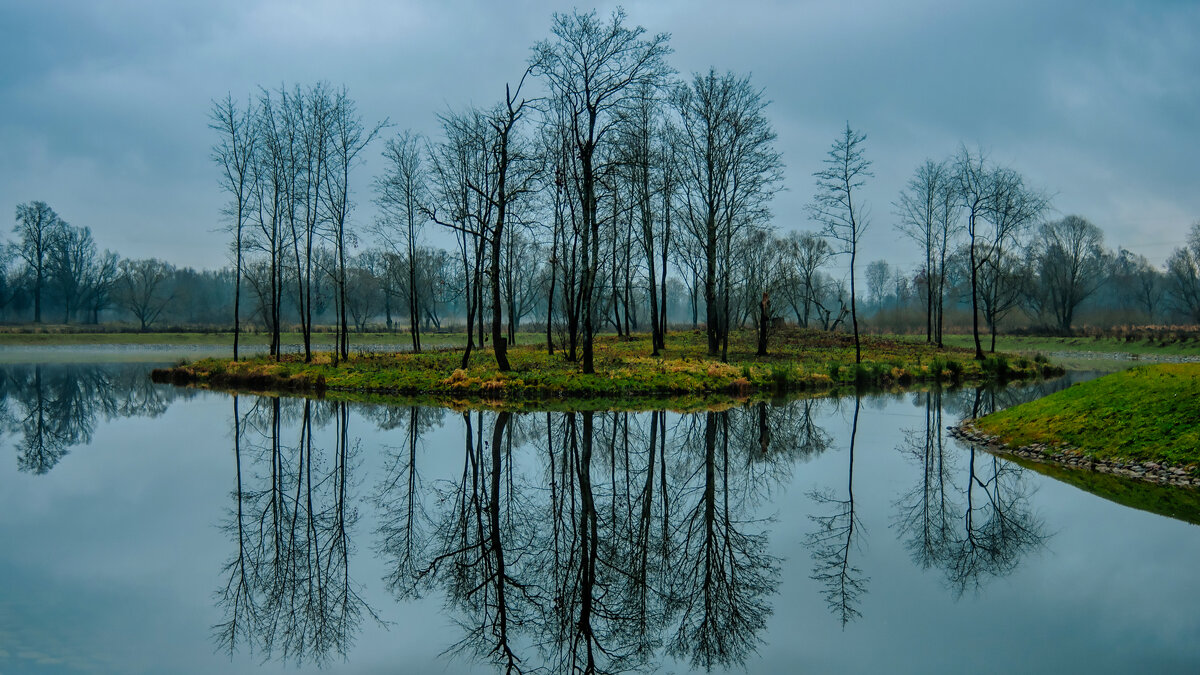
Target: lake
[153, 529]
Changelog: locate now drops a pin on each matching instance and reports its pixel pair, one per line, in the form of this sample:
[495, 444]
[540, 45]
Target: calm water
[152, 529]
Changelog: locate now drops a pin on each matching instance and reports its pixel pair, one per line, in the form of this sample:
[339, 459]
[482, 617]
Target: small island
[799, 361]
[1141, 423]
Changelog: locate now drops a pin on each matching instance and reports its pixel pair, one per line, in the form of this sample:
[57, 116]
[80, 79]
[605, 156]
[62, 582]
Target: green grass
[800, 361]
[1148, 413]
[1106, 345]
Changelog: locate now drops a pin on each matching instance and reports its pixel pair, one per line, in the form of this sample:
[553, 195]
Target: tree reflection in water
[54, 407]
[835, 539]
[565, 542]
[980, 528]
[633, 536]
[288, 590]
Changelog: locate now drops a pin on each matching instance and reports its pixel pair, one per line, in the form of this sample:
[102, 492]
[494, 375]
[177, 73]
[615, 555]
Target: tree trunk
[854, 306]
[975, 298]
[764, 323]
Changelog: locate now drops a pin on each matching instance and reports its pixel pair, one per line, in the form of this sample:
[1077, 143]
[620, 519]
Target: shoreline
[676, 401]
[1071, 458]
[802, 362]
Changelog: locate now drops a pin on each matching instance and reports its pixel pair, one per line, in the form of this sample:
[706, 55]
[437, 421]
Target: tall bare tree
[594, 68]
[644, 155]
[463, 176]
[144, 289]
[1071, 266]
[37, 227]
[516, 173]
[729, 170]
[399, 193]
[928, 209]
[974, 190]
[846, 170]
[234, 153]
[1012, 208]
[1183, 275]
[348, 137]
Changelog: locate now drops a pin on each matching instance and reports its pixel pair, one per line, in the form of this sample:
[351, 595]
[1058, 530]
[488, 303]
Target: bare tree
[516, 176]
[1183, 275]
[37, 226]
[928, 209]
[143, 288]
[846, 170]
[463, 176]
[593, 70]
[399, 193]
[73, 266]
[879, 273]
[1139, 283]
[348, 137]
[649, 179]
[1012, 208]
[234, 153]
[1071, 265]
[764, 263]
[99, 283]
[804, 254]
[729, 171]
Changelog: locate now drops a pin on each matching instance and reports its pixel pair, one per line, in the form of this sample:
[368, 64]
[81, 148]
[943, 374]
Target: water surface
[155, 529]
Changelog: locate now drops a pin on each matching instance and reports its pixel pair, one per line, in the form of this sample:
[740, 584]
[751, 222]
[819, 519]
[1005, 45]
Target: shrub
[956, 370]
[780, 378]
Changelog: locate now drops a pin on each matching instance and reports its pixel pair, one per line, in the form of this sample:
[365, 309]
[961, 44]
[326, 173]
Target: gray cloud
[103, 105]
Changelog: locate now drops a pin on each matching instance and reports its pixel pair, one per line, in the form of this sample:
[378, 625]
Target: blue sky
[103, 105]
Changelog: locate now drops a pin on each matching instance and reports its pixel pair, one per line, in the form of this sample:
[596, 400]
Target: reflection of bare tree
[587, 627]
[978, 530]
[834, 540]
[237, 596]
[288, 589]
[999, 526]
[634, 539]
[404, 529]
[927, 513]
[55, 407]
[724, 577]
[469, 547]
[988, 398]
[778, 436]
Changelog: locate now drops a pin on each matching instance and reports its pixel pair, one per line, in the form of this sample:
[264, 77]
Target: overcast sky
[103, 105]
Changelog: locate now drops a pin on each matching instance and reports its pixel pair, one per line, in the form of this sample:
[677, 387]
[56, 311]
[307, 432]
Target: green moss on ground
[800, 361]
[1184, 346]
[1148, 413]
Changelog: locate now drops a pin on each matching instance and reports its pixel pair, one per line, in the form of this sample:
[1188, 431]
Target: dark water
[152, 529]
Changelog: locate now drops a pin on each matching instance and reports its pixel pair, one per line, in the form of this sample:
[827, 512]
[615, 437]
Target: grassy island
[800, 360]
[1138, 420]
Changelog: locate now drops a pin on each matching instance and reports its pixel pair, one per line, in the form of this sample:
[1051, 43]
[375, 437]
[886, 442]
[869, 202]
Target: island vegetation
[1141, 422]
[801, 361]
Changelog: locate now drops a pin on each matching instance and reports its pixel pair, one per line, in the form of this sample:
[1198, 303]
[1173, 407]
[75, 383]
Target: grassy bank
[1101, 345]
[800, 361]
[1147, 414]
